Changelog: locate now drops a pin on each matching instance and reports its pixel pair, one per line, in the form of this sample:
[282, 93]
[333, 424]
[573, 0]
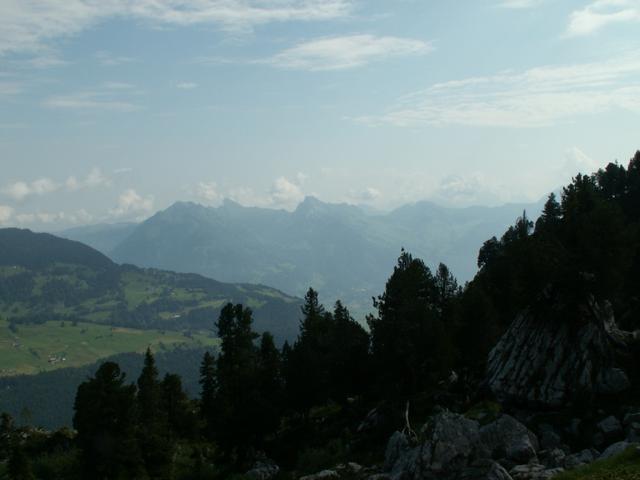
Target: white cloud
[602, 13]
[107, 59]
[20, 190]
[472, 189]
[285, 193]
[6, 212]
[338, 53]
[537, 97]
[576, 161]
[369, 194]
[131, 204]
[94, 179]
[90, 100]
[186, 85]
[208, 191]
[9, 89]
[29, 25]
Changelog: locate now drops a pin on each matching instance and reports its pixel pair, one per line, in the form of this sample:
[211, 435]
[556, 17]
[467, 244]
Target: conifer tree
[153, 433]
[105, 419]
[208, 391]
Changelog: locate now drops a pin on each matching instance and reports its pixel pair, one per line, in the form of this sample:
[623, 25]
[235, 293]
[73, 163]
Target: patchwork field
[35, 348]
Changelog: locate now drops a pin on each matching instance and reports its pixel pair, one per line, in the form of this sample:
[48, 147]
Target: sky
[111, 110]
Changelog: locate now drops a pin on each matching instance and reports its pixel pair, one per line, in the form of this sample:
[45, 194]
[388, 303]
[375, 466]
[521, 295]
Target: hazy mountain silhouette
[342, 250]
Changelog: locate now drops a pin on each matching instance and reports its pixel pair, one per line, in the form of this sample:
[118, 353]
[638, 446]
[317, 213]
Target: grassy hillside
[36, 348]
[48, 279]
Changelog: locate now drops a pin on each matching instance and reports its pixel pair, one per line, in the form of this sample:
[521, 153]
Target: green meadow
[35, 348]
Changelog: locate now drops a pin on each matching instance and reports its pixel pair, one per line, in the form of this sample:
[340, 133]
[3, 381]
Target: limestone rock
[581, 458]
[611, 428]
[263, 470]
[506, 437]
[616, 449]
[323, 475]
[534, 471]
[543, 361]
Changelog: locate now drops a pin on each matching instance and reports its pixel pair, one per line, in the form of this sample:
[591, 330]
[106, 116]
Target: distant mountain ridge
[45, 278]
[341, 250]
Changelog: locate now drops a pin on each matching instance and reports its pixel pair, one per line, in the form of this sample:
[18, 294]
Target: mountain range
[341, 250]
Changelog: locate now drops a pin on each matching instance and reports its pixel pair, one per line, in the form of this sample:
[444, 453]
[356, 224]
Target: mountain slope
[339, 249]
[104, 237]
[45, 278]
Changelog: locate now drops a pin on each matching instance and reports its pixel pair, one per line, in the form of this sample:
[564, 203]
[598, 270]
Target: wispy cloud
[537, 97]
[94, 179]
[29, 26]
[6, 212]
[9, 89]
[90, 100]
[107, 59]
[186, 85]
[338, 53]
[132, 205]
[602, 13]
[21, 189]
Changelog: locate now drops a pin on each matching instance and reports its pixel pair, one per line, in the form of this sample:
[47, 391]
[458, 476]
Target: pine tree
[153, 433]
[411, 346]
[105, 419]
[208, 391]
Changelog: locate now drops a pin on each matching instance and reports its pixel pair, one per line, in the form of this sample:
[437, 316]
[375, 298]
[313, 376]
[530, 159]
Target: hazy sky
[113, 109]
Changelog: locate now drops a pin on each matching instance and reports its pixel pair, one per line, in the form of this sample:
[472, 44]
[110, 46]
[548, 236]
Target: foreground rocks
[546, 362]
[456, 447]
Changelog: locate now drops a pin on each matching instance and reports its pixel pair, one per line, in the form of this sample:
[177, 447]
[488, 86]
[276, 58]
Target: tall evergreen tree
[208, 391]
[411, 346]
[153, 432]
[105, 419]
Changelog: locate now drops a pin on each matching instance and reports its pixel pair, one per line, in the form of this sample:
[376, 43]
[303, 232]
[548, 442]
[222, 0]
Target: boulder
[553, 458]
[263, 470]
[534, 471]
[579, 459]
[508, 438]
[550, 440]
[542, 360]
[457, 447]
[611, 428]
[323, 475]
[633, 432]
[453, 440]
[616, 449]
[484, 470]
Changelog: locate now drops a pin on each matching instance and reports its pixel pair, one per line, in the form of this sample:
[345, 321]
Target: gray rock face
[543, 361]
[616, 449]
[508, 438]
[263, 471]
[579, 459]
[323, 475]
[611, 428]
[456, 447]
[534, 471]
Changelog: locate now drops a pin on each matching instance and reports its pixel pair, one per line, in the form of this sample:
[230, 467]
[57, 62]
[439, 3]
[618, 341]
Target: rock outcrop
[457, 447]
[545, 361]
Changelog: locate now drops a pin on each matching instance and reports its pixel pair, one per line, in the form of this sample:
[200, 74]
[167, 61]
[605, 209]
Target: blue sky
[113, 109]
